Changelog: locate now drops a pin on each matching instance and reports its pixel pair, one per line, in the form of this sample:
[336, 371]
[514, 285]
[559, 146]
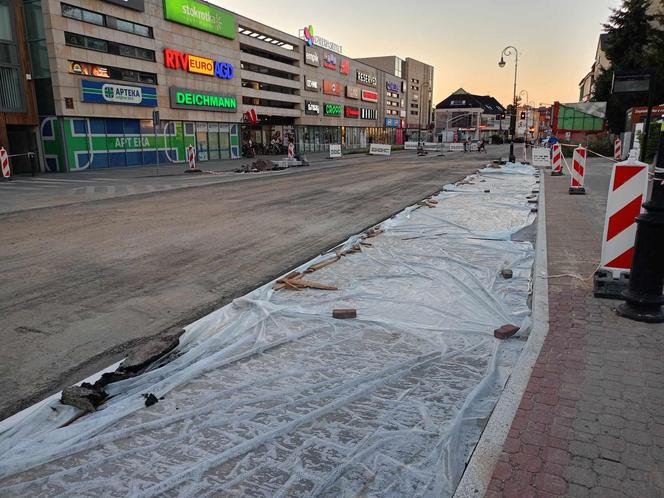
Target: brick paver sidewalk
[591, 422]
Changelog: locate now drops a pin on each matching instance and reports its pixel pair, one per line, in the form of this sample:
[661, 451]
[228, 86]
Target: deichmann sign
[366, 78]
[185, 98]
[311, 85]
[201, 16]
[108, 93]
[369, 96]
[311, 57]
[351, 112]
[311, 107]
[331, 88]
[353, 92]
[332, 110]
[368, 113]
[174, 59]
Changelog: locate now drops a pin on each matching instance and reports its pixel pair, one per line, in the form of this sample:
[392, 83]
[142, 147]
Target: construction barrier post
[627, 192]
[617, 149]
[578, 171]
[556, 160]
[644, 297]
[191, 159]
[4, 161]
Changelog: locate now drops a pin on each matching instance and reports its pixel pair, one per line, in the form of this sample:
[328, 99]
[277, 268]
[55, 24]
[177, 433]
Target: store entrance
[22, 139]
[213, 141]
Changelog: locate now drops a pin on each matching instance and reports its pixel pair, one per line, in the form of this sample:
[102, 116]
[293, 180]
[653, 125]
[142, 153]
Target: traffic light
[523, 115]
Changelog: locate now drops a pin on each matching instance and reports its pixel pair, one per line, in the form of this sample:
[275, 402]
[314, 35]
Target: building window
[109, 47]
[414, 113]
[11, 89]
[89, 16]
[247, 66]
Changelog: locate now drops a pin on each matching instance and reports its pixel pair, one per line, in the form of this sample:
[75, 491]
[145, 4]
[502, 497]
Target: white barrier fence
[380, 150]
[428, 146]
[541, 157]
[335, 151]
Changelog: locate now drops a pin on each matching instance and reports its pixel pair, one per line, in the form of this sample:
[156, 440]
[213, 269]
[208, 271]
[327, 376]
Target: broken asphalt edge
[479, 470]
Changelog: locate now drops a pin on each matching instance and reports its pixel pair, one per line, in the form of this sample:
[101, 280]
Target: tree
[634, 41]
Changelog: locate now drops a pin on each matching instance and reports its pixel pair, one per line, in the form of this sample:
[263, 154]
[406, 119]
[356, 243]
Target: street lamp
[507, 51]
[426, 98]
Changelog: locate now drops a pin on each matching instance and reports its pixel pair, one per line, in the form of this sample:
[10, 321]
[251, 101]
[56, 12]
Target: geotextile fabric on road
[271, 396]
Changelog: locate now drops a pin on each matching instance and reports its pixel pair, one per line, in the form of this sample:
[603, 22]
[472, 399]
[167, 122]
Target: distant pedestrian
[481, 146]
[465, 144]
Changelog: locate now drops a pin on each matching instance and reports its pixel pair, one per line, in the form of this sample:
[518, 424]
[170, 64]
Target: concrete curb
[477, 476]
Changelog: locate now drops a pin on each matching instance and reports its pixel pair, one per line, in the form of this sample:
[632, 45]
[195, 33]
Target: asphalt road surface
[82, 283]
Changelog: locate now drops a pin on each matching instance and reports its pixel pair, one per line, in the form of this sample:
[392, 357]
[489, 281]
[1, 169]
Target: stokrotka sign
[195, 64]
[201, 16]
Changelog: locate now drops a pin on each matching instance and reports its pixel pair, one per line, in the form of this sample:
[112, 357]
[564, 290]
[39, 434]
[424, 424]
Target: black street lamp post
[643, 298]
[507, 51]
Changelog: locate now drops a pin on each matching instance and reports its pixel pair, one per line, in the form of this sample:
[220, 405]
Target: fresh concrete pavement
[86, 278]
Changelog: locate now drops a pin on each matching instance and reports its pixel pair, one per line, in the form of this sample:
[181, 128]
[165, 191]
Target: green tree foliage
[635, 41]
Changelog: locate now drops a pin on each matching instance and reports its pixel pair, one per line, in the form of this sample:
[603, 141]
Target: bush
[497, 139]
[602, 145]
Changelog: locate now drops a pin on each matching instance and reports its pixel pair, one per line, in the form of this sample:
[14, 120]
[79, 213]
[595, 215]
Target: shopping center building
[111, 83]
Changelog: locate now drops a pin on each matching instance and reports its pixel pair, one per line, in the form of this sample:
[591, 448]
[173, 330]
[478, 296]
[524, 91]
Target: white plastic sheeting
[270, 396]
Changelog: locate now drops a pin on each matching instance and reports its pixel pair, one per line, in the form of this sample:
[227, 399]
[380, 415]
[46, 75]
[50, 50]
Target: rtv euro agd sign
[201, 16]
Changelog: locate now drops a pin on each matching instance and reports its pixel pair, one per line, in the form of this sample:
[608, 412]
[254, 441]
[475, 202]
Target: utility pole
[507, 51]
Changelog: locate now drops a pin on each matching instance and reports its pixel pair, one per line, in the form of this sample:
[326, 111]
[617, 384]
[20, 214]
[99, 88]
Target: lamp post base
[647, 313]
[512, 156]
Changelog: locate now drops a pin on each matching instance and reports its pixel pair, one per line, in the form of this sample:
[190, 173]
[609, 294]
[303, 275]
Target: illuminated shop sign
[311, 107]
[366, 78]
[308, 35]
[201, 15]
[329, 60]
[351, 112]
[186, 98]
[392, 122]
[311, 56]
[332, 109]
[130, 4]
[353, 92]
[344, 67]
[331, 88]
[88, 69]
[109, 93]
[369, 96]
[368, 113]
[195, 64]
[392, 86]
[311, 85]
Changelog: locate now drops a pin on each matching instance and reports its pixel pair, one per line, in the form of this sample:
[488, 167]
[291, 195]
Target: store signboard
[130, 4]
[307, 34]
[335, 151]
[351, 112]
[329, 60]
[86, 69]
[331, 88]
[353, 92]
[174, 59]
[369, 96]
[187, 98]
[392, 86]
[311, 56]
[108, 93]
[392, 122]
[201, 15]
[366, 78]
[312, 108]
[311, 85]
[344, 67]
[368, 113]
[332, 109]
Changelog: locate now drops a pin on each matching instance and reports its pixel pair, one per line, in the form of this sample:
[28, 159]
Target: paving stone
[576, 491]
[584, 477]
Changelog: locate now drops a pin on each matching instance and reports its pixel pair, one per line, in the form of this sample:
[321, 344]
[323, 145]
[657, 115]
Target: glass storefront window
[201, 142]
[213, 141]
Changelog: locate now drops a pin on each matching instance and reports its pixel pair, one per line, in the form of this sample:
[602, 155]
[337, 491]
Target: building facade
[21, 64]
[111, 83]
[464, 114]
[418, 90]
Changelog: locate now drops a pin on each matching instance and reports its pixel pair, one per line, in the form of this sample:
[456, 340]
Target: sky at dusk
[462, 40]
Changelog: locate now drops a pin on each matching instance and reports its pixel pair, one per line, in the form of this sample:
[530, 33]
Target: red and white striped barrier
[617, 149]
[578, 170]
[191, 159]
[627, 192]
[556, 160]
[4, 161]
